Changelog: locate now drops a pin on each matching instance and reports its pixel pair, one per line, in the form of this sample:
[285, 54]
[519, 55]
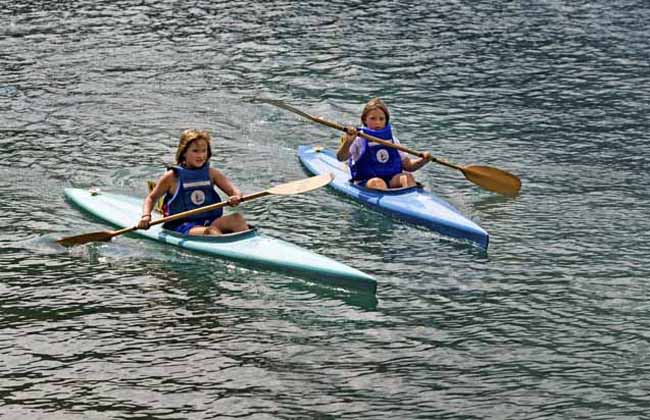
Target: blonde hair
[374, 103]
[187, 137]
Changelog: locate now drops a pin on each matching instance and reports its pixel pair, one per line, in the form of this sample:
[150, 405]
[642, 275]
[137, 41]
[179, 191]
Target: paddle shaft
[489, 178]
[383, 142]
[192, 212]
[215, 206]
[294, 187]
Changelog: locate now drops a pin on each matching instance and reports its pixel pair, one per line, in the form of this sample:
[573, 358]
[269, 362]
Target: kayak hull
[251, 248]
[414, 205]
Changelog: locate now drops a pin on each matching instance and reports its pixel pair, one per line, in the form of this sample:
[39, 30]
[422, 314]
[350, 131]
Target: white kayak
[251, 247]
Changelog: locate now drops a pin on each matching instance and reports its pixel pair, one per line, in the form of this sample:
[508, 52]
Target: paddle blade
[493, 179]
[103, 236]
[302, 185]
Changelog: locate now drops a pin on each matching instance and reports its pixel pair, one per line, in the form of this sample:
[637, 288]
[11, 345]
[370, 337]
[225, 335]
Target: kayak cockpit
[223, 238]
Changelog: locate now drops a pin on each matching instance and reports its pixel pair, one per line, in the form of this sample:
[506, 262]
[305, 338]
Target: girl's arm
[224, 184]
[409, 164]
[165, 184]
[346, 141]
[412, 165]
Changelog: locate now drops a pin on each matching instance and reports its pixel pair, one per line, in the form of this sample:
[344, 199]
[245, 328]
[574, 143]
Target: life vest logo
[197, 197]
[382, 156]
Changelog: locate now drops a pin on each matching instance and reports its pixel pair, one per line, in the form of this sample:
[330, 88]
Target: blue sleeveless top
[194, 189]
[376, 160]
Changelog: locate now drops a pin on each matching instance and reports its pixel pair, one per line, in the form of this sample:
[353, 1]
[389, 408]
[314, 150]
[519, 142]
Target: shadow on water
[203, 279]
[491, 201]
[382, 229]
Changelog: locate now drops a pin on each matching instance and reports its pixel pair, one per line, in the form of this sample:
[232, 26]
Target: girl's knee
[237, 221]
[410, 180]
[232, 223]
[376, 184]
[403, 180]
[240, 222]
[212, 230]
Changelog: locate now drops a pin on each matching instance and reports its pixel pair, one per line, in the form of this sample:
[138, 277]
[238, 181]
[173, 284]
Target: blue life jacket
[194, 189]
[376, 160]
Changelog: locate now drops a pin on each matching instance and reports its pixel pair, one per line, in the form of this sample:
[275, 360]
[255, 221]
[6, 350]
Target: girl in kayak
[190, 185]
[376, 165]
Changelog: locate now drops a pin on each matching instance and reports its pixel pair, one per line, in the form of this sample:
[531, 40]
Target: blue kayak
[414, 205]
[251, 247]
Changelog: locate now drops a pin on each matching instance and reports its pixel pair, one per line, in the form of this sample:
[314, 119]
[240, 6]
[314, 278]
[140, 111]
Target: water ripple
[551, 322]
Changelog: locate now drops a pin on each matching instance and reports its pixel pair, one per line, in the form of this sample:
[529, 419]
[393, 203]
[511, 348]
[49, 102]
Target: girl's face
[375, 119]
[196, 154]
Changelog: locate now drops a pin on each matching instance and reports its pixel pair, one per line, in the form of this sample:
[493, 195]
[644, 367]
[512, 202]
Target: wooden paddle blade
[302, 185]
[103, 236]
[493, 179]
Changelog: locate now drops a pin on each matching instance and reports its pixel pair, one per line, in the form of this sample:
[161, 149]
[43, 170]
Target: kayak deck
[414, 205]
[251, 248]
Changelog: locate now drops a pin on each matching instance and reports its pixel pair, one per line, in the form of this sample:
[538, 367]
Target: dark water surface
[553, 322]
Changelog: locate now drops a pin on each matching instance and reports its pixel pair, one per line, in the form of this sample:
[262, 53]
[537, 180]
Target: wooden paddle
[487, 177]
[295, 187]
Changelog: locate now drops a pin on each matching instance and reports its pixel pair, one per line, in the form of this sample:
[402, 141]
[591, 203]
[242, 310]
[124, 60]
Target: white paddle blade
[302, 185]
